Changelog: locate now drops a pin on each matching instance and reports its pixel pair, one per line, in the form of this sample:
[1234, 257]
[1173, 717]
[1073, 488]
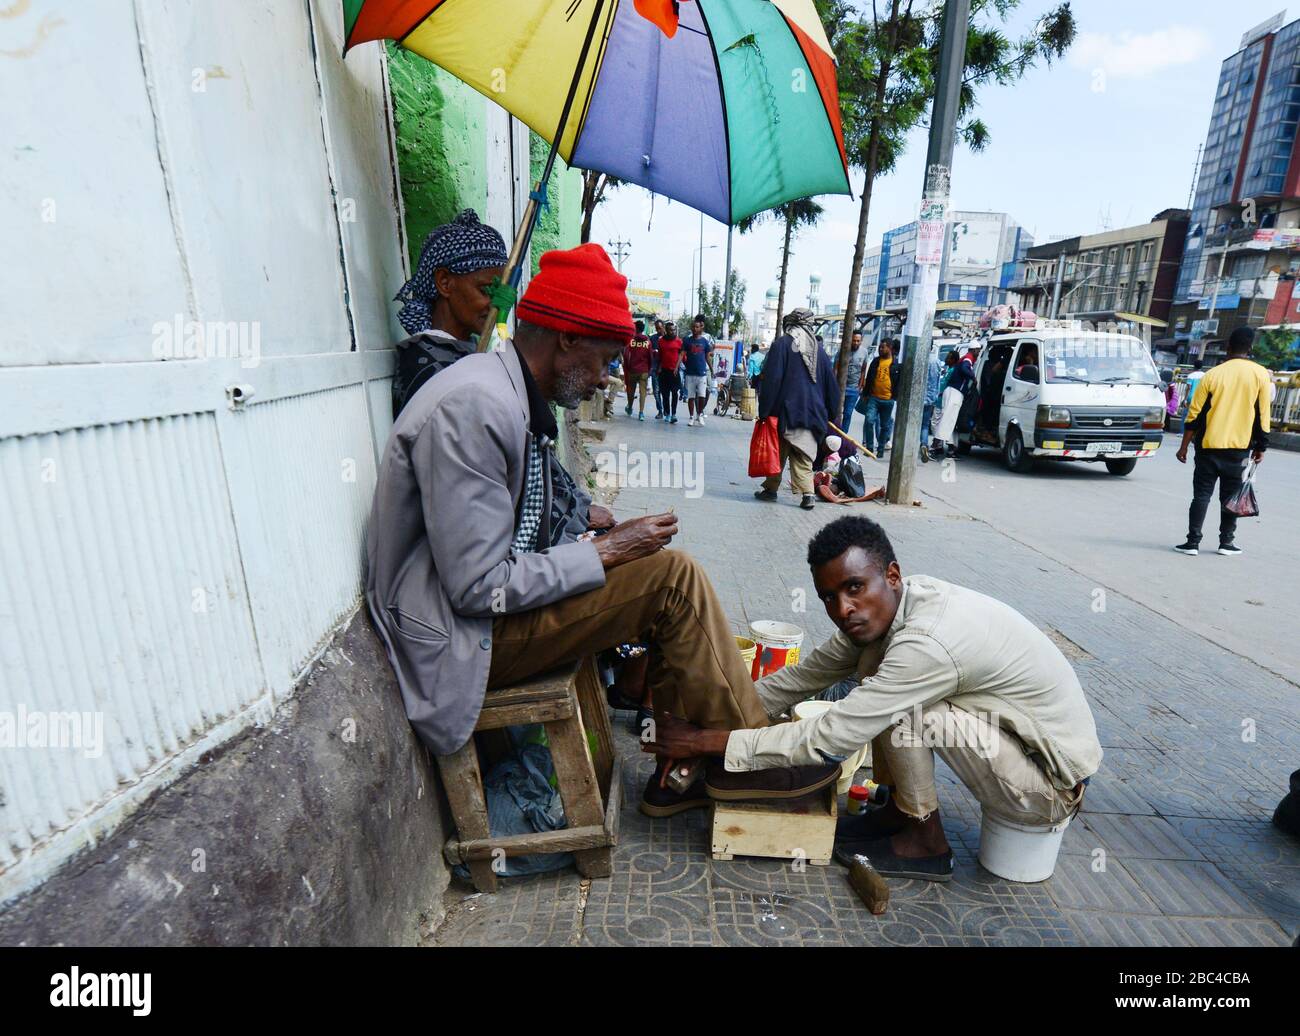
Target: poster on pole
[931, 232]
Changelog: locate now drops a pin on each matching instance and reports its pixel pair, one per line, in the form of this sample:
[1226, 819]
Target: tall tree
[887, 68]
[594, 186]
[712, 301]
[803, 212]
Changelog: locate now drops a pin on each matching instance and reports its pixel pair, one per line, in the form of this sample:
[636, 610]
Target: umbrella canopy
[729, 106]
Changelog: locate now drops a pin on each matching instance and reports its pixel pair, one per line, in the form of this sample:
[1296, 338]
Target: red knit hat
[579, 291]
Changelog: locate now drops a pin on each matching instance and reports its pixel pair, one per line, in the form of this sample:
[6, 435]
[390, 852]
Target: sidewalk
[1174, 846]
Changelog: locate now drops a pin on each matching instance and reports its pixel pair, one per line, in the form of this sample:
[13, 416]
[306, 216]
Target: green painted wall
[441, 148]
[441, 141]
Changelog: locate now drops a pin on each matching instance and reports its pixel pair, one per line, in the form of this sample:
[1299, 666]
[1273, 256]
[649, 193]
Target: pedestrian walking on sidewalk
[698, 352]
[877, 400]
[853, 380]
[654, 369]
[800, 389]
[636, 368]
[1228, 419]
[670, 359]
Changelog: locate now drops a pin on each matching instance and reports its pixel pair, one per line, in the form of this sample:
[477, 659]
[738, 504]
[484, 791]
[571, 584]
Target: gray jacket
[439, 563]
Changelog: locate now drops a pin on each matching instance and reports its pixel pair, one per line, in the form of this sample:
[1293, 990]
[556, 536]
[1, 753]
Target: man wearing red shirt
[670, 359]
[636, 367]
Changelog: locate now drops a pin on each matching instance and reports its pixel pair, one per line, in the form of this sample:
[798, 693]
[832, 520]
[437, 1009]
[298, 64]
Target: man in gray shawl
[800, 388]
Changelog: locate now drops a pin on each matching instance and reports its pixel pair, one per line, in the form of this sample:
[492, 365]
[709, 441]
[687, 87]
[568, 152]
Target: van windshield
[1097, 359]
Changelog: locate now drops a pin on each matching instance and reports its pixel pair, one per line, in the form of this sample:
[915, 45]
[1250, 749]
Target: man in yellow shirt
[1228, 418]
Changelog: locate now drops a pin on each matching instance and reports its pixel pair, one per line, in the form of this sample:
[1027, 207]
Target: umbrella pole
[524, 236]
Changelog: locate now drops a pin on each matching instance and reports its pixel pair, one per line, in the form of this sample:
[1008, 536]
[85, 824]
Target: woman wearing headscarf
[458, 279]
[800, 388]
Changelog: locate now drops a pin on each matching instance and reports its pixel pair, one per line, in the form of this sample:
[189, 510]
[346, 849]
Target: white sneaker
[690, 423]
[701, 418]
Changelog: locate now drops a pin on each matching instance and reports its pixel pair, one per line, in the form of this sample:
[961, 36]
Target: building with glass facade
[1243, 238]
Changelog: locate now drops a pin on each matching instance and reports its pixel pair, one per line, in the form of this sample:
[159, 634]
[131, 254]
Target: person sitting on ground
[470, 584]
[799, 388]
[935, 662]
[457, 281]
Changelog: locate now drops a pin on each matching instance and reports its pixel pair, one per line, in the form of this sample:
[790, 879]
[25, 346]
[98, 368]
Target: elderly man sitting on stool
[473, 586]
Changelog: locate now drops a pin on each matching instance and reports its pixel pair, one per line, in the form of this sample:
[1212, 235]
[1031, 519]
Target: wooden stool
[565, 701]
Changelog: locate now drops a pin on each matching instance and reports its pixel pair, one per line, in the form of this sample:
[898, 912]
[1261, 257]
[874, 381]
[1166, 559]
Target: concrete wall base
[322, 828]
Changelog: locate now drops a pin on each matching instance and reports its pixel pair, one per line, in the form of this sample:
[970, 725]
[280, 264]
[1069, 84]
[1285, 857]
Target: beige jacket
[946, 642]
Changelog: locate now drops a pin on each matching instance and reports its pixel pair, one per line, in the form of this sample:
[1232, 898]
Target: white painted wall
[170, 563]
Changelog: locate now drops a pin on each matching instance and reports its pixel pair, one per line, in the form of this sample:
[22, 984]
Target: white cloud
[1139, 55]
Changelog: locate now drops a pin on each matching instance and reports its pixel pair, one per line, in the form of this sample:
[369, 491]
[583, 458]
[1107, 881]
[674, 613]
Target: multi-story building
[1132, 270]
[978, 264]
[1242, 248]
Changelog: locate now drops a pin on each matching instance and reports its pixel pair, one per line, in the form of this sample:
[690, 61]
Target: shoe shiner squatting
[943, 669]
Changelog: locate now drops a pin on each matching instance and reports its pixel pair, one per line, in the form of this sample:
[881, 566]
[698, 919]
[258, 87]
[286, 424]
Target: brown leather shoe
[755, 785]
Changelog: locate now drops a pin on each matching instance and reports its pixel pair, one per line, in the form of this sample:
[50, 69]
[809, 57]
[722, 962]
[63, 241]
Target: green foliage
[710, 305]
[1276, 348]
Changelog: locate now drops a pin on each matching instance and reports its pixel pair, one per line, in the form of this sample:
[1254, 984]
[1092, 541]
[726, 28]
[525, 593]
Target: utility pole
[621, 250]
[1056, 288]
[1214, 301]
[726, 292]
[924, 293]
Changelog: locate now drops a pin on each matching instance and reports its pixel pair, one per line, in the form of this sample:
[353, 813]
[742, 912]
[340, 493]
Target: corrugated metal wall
[170, 562]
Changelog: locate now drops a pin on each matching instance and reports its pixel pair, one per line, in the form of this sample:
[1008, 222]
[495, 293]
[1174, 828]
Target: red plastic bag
[765, 449]
[1243, 503]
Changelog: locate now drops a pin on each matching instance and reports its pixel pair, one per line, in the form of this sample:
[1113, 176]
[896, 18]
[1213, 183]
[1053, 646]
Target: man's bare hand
[635, 539]
[1257, 456]
[1181, 455]
[672, 737]
[599, 517]
[675, 738]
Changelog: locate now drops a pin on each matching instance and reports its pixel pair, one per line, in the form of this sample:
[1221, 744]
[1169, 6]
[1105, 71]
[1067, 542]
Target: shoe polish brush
[869, 885]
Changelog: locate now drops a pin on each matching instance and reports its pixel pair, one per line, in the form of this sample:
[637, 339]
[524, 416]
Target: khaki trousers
[991, 762]
[695, 669]
[634, 382]
[800, 471]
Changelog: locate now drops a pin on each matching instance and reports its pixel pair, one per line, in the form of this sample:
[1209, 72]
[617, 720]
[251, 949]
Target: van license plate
[1105, 447]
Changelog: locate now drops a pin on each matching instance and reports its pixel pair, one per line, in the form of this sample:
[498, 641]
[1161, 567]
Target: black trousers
[1226, 467]
[669, 386]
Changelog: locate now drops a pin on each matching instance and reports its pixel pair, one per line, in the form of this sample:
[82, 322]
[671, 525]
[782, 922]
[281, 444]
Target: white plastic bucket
[851, 765]
[778, 645]
[1018, 852]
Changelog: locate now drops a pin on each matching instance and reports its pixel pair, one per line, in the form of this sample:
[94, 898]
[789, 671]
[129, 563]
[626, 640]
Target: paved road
[1120, 531]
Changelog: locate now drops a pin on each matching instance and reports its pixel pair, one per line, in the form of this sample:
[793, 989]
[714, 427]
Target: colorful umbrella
[729, 106]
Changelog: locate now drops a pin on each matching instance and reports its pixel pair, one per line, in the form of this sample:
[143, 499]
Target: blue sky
[1065, 156]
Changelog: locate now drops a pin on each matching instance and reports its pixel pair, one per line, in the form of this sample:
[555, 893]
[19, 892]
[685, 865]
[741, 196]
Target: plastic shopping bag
[765, 450]
[1243, 503]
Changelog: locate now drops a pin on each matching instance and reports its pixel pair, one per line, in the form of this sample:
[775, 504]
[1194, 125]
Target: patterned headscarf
[461, 246]
[798, 324]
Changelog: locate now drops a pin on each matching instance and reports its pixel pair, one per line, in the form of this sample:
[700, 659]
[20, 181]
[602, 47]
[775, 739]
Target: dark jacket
[419, 358]
[872, 368]
[787, 391]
